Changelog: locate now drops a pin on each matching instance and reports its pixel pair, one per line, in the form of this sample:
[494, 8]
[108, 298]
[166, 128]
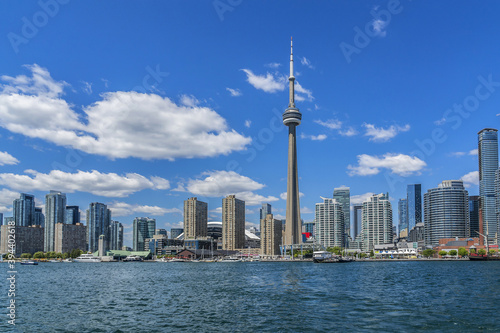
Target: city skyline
[389, 114]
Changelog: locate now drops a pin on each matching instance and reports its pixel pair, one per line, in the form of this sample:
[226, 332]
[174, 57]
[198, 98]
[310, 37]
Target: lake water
[412, 296]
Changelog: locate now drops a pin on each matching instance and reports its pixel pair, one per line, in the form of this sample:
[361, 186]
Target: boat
[231, 259]
[68, 260]
[87, 257]
[133, 258]
[327, 257]
[484, 257]
[29, 262]
[177, 260]
[54, 260]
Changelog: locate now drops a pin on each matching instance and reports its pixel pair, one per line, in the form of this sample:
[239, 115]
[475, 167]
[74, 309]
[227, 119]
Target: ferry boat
[87, 257]
[177, 260]
[327, 257]
[231, 259]
[133, 258]
[29, 262]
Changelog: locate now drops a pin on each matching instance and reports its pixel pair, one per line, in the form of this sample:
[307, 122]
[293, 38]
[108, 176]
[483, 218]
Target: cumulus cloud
[7, 159]
[473, 152]
[472, 178]
[234, 92]
[299, 91]
[270, 83]
[284, 195]
[400, 164]
[95, 182]
[306, 210]
[379, 27]
[319, 137]
[379, 134]
[330, 123]
[306, 62]
[6, 199]
[360, 198]
[125, 209]
[120, 125]
[222, 183]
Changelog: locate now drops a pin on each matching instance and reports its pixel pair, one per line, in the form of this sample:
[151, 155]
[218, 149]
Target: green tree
[26, 255]
[442, 253]
[39, 255]
[462, 252]
[428, 253]
[65, 255]
[481, 252]
[453, 252]
[362, 255]
[59, 255]
[372, 254]
[472, 251]
[75, 253]
[493, 252]
[337, 250]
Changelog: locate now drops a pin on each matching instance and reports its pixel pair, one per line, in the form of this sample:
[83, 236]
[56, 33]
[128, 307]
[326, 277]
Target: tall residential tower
[195, 218]
[292, 118]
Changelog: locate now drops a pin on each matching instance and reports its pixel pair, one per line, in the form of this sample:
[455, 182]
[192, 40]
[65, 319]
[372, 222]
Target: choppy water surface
[255, 297]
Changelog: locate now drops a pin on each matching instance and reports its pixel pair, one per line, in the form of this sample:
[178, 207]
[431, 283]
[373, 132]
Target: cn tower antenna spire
[291, 78]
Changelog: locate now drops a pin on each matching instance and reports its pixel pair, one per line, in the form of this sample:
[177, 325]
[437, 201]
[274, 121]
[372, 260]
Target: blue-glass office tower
[414, 202]
[39, 217]
[72, 214]
[115, 235]
[55, 212]
[488, 165]
[343, 197]
[357, 211]
[403, 215]
[265, 210]
[98, 221]
[144, 228]
[24, 210]
[473, 227]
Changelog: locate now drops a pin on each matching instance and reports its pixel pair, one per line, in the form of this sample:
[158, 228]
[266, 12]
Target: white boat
[68, 260]
[29, 262]
[54, 260]
[133, 258]
[231, 259]
[87, 257]
[177, 260]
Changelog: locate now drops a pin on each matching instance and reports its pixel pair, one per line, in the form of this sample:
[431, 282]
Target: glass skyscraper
[377, 221]
[24, 210]
[72, 214]
[414, 202]
[357, 211]
[55, 212]
[265, 210]
[343, 197]
[115, 235]
[473, 228]
[403, 215]
[446, 212]
[330, 230]
[144, 227]
[488, 165]
[98, 221]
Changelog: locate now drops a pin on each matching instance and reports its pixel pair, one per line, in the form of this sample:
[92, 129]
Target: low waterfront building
[70, 237]
[27, 239]
[448, 244]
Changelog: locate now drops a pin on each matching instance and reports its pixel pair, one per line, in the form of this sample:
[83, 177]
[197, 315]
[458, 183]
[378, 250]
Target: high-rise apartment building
[115, 235]
[343, 197]
[329, 218]
[270, 236]
[24, 210]
[473, 228]
[69, 237]
[233, 223]
[414, 205]
[357, 211]
[72, 214]
[446, 212]
[488, 166]
[98, 221]
[55, 212]
[403, 215]
[144, 228]
[376, 221]
[39, 217]
[195, 218]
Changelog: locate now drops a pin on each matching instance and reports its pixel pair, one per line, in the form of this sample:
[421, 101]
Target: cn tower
[291, 118]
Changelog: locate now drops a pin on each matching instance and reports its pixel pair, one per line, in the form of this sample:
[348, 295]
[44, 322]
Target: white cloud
[125, 209]
[473, 152]
[379, 134]
[279, 217]
[284, 195]
[498, 114]
[95, 182]
[457, 154]
[6, 199]
[360, 198]
[87, 87]
[248, 123]
[7, 159]
[319, 137]
[306, 62]
[299, 90]
[273, 65]
[379, 27]
[472, 178]
[120, 125]
[269, 83]
[222, 183]
[306, 210]
[400, 164]
[217, 210]
[330, 123]
[350, 131]
[234, 92]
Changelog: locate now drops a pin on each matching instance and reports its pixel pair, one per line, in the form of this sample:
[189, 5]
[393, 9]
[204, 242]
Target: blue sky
[141, 105]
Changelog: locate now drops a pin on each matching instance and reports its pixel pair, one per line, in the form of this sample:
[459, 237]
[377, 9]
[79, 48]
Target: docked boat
[177, 260]
[87, 257]
[29, 262]
[231, 259]
[68, 260]
[133, 258]
[54, 260]
[479, 257]
[327, 257]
